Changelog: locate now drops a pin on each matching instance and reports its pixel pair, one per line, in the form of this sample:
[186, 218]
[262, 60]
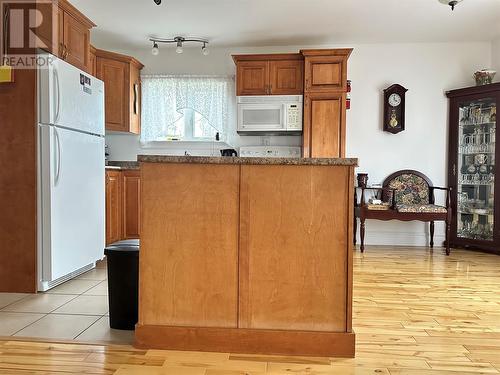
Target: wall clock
[394, 109]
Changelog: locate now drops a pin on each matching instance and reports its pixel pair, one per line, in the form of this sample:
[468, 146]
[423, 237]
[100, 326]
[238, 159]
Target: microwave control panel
[294, 117]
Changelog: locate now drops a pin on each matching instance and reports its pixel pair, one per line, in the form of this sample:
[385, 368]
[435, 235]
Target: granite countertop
[122, 165]
[245, 161]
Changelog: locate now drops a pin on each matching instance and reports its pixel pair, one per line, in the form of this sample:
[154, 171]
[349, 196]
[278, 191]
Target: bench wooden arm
[448, 194]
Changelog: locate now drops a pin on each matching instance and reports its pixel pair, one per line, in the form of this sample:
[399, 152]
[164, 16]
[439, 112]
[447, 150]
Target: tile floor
[76, 310]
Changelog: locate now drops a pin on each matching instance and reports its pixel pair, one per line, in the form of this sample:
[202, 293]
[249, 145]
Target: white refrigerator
[71, 173]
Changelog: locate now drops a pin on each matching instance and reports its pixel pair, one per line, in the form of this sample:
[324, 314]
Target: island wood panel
[131, 203]
[18, 183]
[324, 125]
[189, 245]
[294, 245]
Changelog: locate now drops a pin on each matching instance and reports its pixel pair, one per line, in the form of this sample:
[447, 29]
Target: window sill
[193, 145]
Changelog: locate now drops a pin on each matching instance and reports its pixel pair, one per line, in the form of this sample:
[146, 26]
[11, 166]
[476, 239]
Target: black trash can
[123, 283]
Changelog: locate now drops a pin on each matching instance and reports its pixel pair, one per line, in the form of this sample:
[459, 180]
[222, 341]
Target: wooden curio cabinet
[473, 170]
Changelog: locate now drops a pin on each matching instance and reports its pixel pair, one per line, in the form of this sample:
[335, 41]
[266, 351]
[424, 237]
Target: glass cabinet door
[476, 169]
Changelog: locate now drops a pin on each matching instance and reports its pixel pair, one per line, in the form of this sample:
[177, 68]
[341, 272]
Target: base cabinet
[122, 205]
[131, 204]
[114, 187]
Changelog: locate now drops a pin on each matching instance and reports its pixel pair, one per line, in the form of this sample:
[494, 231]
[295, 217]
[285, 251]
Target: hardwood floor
[416, 312]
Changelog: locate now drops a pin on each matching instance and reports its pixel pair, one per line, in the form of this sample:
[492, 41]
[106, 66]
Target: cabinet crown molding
[327, 52]
[119, 57]
[74, 12]
[268, 57]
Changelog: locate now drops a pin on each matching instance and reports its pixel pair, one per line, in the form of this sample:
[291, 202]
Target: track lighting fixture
[451, 3]
[156, 50]
[179, 41]
[157, 2]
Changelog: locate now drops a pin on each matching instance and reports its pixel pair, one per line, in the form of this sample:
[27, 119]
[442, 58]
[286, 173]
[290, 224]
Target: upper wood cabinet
[326, 70]
[277, 74]
[74, 36]
[325, 92]
[122, 86]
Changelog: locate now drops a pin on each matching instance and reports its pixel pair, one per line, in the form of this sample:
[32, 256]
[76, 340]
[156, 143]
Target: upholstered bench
[410, 196]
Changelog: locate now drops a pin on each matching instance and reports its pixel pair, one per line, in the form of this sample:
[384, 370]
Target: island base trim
[246, 341]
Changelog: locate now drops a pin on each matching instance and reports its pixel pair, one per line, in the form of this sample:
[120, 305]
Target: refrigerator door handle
[58, 94]
[58, 162]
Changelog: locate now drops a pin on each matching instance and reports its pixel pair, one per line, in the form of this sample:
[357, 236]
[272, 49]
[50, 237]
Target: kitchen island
[246, 255]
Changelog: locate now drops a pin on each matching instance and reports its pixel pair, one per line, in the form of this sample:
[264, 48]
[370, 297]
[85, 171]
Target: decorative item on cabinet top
[394, 109]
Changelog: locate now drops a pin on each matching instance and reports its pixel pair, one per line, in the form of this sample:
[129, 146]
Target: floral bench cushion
[410, 189]
[421, 208]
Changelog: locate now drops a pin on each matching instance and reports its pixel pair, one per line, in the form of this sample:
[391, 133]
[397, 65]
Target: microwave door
[261, 117]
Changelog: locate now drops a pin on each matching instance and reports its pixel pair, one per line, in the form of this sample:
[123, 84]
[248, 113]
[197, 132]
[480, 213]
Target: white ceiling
[128, 23]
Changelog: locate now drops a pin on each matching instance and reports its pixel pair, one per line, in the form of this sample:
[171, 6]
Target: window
[187, 108]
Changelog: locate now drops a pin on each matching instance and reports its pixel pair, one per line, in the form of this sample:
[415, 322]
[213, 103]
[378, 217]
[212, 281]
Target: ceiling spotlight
[179, 48]
[451, 3]
[204, 50]
[156, 50]
[157, 2]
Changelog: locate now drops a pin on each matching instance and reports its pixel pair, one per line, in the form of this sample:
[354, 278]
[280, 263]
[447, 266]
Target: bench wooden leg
[432, 234]
[448, 232]
[355, 229]
[362, 234]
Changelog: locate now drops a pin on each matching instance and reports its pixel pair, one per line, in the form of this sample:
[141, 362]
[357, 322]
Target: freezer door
[72, 201]
[70, 98]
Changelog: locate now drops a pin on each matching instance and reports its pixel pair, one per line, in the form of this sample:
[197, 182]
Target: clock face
[394, 100]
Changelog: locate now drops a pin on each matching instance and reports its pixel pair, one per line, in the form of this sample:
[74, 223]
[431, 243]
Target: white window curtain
[166, 97]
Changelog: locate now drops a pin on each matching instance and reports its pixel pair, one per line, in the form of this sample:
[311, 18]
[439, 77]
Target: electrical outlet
[265, 141]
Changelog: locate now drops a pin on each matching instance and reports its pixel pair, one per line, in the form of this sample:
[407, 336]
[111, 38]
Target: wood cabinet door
[324, 126]
[312, 272]
[77, 42]
[325, 73]
[92, 62]
[114, 203]
[190, 218]
[286, 77]
[116, 76]
[252, 78]
[48, 31]
[135, 100]
[131, 204]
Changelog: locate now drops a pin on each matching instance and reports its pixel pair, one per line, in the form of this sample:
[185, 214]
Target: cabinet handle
[454, 169]
[61, 50]
[136, 94]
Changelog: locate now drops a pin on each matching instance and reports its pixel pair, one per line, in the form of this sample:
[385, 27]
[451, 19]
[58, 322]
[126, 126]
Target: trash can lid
[123, 247]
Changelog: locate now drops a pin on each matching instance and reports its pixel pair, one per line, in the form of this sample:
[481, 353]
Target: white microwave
[272, 114]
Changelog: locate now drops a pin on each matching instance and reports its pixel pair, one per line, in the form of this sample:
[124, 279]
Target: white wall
[495, 57]
[427, 70]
